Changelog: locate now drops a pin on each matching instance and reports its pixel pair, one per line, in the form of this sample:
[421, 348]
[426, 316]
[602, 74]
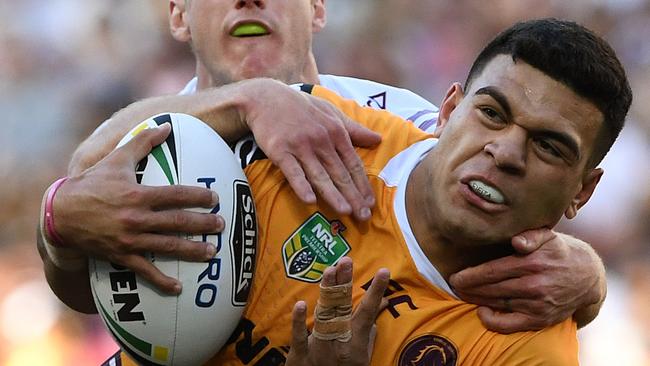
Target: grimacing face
[240, 39]
[512, 154]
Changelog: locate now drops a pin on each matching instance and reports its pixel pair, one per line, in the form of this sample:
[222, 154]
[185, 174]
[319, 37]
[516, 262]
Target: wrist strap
[63, 257]
[48, 216]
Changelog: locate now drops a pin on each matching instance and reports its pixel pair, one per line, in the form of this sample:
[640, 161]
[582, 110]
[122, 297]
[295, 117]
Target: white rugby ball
[158, 329]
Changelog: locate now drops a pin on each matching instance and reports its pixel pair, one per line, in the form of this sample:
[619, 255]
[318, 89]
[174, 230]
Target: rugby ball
[188, 329]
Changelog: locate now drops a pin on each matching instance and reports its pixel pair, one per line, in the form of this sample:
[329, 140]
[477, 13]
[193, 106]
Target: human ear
[589, 183]
[178, 21]
[320, 16]
[449, 104]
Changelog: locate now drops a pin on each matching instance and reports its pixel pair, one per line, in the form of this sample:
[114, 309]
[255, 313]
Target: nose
[508, 150]
[251, 4]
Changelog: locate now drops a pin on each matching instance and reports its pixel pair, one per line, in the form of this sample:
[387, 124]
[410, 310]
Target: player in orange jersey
[516, 148]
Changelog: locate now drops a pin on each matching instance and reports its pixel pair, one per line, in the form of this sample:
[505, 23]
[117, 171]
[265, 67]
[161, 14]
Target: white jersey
[401, 102]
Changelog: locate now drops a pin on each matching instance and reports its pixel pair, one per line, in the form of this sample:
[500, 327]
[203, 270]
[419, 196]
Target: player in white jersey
[234, 41]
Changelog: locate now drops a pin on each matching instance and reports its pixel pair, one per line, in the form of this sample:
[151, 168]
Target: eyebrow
[498, 96]
[561, 137]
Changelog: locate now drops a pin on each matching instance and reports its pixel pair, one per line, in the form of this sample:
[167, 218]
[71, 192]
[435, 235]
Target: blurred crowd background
[66, 65]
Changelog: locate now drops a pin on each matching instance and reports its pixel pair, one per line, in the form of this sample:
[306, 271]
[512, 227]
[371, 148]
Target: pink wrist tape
[49, 214]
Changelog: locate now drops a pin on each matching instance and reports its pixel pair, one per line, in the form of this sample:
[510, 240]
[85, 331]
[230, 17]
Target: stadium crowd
[66, 65]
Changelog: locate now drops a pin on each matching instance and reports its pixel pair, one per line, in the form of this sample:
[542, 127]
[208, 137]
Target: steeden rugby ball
[158, 329]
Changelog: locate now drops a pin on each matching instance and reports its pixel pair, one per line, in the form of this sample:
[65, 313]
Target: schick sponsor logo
[244, 241]
[124, 286]
[314, 246]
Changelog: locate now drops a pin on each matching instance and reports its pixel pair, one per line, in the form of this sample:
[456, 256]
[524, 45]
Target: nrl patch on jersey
[314, 246]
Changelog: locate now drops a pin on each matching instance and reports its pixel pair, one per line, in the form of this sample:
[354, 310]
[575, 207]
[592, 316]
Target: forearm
[598, 291]
[222, 108]
[71, 285]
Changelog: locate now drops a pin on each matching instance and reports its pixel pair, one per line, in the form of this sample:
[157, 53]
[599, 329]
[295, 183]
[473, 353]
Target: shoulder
[402, 102]
[553, 346]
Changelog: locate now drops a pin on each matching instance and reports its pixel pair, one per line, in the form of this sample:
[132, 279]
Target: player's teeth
[487, 192]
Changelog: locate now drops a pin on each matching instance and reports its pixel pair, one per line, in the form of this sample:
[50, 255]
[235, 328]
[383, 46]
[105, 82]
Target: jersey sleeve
[402, 102]
[554, 346]
[396, 133]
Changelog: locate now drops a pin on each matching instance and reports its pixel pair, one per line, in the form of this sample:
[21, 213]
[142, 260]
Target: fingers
[531, 240]
[343, 271]
[520, 287]
[339, 274]
[178, 196]
[371, 340]
[173, 246]
[334, 307]
[507, 323]
[141, 144]
[179, 221]
[331, 178]
[344, 164]
[360, 135]
[150, 273]
[299, 334]
[349, 178]
[489, 272]
[530, 306]
[321, 182]
[357, 172]
[371, 303]
[296, 177]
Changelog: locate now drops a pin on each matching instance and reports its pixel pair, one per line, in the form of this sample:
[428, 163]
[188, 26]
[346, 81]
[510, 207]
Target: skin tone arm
[323, 159]
[115, 195]
[530, 280]
[101, 189]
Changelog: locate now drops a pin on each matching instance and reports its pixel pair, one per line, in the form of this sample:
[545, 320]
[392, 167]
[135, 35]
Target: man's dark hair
[574, 56]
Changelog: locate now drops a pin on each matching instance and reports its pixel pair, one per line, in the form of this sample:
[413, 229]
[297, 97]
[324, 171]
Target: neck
[444, 247]
[308, 74]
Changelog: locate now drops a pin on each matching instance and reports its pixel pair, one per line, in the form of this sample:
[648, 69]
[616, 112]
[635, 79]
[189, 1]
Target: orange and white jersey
[399, 101]
[424, 323]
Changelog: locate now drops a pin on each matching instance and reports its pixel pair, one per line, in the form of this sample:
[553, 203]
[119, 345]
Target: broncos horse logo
[428, 350]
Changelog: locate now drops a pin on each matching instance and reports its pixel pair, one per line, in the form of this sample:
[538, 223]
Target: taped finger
[333, 313]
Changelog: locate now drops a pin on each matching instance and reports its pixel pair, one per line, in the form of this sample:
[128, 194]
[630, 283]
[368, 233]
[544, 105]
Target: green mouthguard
[249, 30]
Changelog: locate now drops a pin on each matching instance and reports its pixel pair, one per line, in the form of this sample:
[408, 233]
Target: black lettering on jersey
[271, 358]
[379, 100]
[246, 350]
[392, 289]
[115, 360]
[394, 301]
